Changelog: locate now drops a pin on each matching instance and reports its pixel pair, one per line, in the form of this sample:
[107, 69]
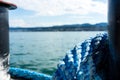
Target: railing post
[114, 38]
[4, 39]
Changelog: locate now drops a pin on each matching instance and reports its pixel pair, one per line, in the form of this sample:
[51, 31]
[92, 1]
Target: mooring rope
[28, 75]
[83, 62]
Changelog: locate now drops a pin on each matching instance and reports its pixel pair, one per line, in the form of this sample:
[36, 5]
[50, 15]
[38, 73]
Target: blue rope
[83, 61]
[26, 74]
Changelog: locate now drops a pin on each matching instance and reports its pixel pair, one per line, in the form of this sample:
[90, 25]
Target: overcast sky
[32, 13]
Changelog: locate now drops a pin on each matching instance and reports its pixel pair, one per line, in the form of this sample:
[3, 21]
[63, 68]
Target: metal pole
[114, 38]
[4, 29]
[4, 39]
[4, 43]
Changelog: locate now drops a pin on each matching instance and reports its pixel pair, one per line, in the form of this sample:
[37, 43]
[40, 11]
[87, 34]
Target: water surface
[41, 51]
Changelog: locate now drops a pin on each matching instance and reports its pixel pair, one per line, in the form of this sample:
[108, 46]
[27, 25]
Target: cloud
[23, 23]
[104, 1]
[58, 12]
[18, 23]
[48, 24]
[61, 7]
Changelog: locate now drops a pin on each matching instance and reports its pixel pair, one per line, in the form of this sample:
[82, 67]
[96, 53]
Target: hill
[74, 27]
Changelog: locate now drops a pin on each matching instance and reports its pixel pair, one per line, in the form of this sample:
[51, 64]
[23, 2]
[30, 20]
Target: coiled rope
[86, 61]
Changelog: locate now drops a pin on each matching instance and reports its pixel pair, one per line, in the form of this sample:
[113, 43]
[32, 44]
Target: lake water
[41, 51]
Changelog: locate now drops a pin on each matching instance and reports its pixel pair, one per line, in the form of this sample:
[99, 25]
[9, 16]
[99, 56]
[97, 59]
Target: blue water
[41, 51]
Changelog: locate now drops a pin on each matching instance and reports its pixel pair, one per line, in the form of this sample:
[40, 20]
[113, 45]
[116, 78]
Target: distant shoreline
[75, 27]
[53, 31]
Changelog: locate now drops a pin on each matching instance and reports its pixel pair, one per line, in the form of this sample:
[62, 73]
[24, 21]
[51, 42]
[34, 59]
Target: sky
[44, 13]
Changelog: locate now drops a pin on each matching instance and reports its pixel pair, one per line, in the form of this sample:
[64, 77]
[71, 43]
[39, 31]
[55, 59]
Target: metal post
[114, 38]
[4, 39]
[4, 29]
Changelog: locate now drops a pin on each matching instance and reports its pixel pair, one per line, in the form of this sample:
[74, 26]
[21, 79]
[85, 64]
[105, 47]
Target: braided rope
[83, 61]
[28, 75]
